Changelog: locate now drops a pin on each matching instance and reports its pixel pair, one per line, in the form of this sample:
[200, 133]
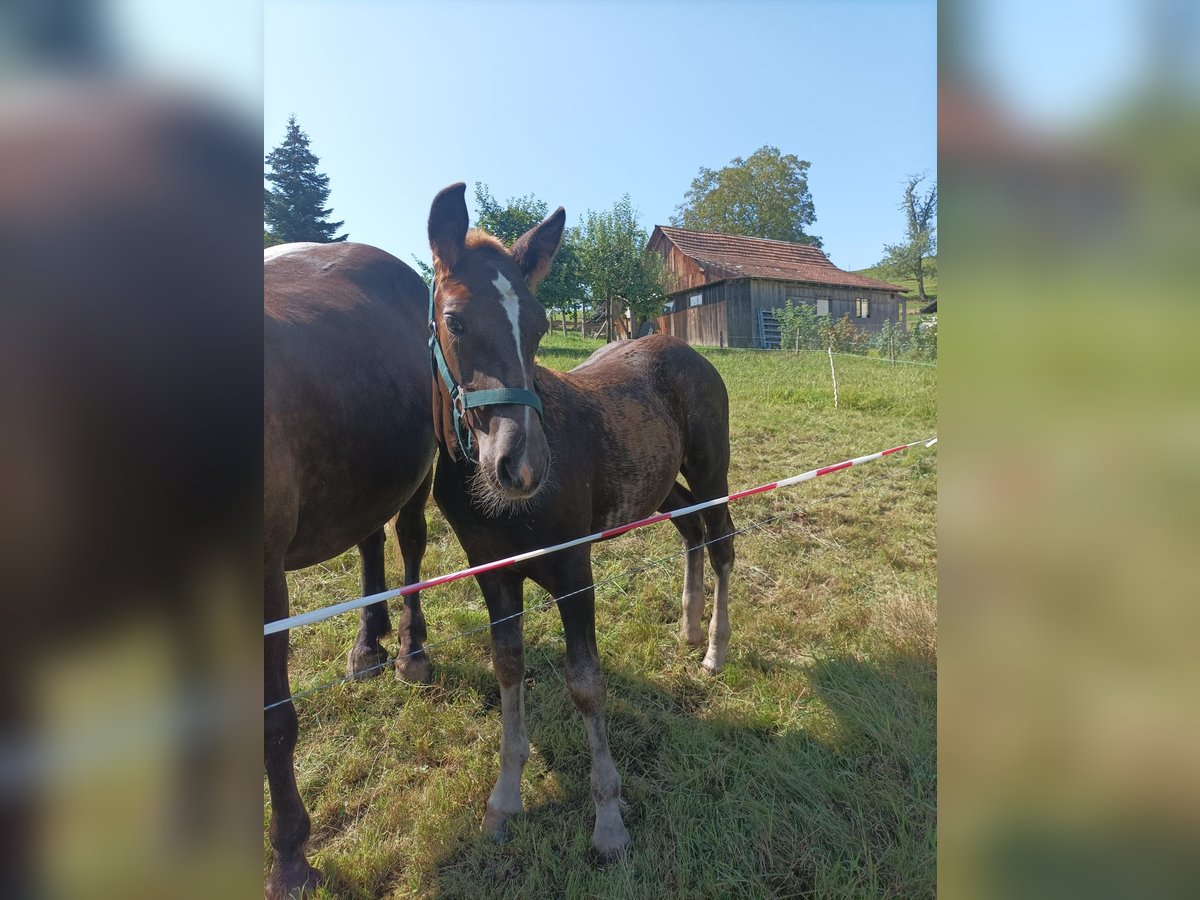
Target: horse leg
[412, 662]
[585, 680]
[291, 875]
[503, 592]
[366, 657]
[718, 526]
[692, 530]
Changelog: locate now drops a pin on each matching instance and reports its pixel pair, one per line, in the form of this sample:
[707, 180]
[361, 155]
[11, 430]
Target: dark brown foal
[531, 457]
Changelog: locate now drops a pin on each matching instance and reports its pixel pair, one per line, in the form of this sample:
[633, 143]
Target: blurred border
[130, 166]
[1069, 158]
[130, 448]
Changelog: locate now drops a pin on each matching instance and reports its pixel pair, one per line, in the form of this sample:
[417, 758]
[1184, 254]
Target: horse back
[348, 432]
[303, 281]
[636, 414]
[657, 371]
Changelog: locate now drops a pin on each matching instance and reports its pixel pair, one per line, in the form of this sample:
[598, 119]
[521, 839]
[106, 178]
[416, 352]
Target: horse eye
[454, 323]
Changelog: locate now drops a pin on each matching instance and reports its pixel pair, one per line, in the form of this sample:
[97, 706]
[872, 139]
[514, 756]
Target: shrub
[924, 338]
[842, 336]
[799, 327]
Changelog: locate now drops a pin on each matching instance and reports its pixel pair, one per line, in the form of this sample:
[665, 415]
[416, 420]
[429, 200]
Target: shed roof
[734, 256]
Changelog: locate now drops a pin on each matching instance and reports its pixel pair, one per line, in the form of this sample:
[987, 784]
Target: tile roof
[733, 256]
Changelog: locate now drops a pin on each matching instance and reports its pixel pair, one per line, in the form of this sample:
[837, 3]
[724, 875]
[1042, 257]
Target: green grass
[807, 768]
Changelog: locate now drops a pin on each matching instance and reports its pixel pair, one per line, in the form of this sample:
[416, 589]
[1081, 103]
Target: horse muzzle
[517, 455]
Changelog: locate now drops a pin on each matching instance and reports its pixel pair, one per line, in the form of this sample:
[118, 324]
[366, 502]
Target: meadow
[806, 769]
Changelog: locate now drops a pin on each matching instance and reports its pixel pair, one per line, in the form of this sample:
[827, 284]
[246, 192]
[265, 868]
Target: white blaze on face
[512, 306]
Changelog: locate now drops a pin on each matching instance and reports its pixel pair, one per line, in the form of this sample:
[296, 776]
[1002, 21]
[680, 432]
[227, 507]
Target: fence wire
[634, 570]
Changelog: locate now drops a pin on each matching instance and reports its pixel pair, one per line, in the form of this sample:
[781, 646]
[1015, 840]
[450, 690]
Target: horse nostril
[515, 473]
[507, 468]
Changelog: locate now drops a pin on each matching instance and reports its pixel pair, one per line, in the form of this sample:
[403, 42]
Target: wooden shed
[723, 281]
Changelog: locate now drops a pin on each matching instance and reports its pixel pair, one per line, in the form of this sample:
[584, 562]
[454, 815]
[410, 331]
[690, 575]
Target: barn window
[695, 300]
[862, 308]
[823, 306]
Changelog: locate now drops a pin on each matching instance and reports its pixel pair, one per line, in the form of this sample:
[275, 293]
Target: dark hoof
[495, 825]
[606, 858]
[414, 669]
[365, 662]
[297, 880]
[610, 843]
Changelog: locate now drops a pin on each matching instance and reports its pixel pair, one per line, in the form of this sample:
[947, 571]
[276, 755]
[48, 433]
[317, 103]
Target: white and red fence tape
[328, 612]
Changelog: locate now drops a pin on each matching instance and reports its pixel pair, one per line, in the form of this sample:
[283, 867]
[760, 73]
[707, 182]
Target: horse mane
[477, 239]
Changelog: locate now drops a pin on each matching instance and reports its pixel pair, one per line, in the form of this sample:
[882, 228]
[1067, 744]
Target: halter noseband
[461, 399]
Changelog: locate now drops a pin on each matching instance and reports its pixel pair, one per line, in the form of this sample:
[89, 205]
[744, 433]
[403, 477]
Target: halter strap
[461, 399]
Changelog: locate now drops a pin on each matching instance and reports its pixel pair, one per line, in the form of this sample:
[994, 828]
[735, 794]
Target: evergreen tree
[294, 208]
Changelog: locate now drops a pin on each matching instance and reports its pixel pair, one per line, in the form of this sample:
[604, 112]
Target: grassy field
[807, 768]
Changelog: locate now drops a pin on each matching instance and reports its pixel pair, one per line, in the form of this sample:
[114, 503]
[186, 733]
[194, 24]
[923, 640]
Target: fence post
[833, 372]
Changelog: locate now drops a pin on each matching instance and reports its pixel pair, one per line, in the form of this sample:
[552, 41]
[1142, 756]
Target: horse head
[485, 329]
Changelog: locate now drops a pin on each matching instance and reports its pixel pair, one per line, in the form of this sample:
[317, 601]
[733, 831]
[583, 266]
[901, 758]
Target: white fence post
[833, 372]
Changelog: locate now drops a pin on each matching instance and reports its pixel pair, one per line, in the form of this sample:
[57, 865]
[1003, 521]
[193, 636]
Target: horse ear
[448, 224]
[534, 250]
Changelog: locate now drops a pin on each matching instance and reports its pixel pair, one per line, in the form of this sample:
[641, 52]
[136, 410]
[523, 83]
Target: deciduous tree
[906, 259]
[765, 195]
[561, 289]
[424, 269]
[615, 266]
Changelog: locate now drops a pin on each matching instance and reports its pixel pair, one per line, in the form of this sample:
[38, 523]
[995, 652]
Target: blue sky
[1017, 48]
[579, 102]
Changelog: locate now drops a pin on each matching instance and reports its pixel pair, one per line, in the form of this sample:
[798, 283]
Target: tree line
[602, 266]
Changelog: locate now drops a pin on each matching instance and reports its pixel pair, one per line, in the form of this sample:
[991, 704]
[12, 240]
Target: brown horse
[348, 445]
[531, 457]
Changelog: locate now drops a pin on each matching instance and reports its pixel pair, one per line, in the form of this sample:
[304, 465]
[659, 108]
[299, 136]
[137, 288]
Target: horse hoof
[692, 640]
[291, 881]
[495, 825]
[712, 666]
[415, 669]
[610, 843]
[611, 856]
[365, 662]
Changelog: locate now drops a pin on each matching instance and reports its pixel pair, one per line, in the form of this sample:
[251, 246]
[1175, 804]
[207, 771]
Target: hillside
[931, 283]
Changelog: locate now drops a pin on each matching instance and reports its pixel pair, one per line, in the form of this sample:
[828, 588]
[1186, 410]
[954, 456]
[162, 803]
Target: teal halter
[461, 400]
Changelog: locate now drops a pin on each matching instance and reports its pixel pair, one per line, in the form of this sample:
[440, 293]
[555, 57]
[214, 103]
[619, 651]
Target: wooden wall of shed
[704, 325]
[884, 306]
[684, 272]
[728, 316]
[723, 320]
